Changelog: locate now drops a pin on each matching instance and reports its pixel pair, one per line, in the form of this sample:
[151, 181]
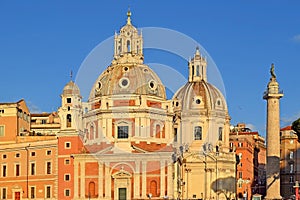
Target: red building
[251, 160]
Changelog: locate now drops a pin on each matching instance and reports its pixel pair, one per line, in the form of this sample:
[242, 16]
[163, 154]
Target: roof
[287, 128]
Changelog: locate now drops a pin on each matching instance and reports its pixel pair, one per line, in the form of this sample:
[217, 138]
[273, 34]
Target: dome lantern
[197, 67]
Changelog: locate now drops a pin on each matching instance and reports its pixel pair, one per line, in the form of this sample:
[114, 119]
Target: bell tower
[197, 67]
[70, 112]
[272, 95]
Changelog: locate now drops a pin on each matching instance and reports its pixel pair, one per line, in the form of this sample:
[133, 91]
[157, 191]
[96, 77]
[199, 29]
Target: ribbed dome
[136, 79]
[71, 89]
[200, 95]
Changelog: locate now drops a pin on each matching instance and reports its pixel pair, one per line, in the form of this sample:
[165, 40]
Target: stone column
[272, 95]
[100, 180]
[170, 183]
[144, 180]
[162, 178]
[107, 181]
[76, 179]
[137, 180]
[82, 179]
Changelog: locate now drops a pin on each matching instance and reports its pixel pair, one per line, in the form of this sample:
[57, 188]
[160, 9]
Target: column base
[273, 198]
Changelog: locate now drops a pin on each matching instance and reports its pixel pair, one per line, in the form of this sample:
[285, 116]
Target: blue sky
[42, 41]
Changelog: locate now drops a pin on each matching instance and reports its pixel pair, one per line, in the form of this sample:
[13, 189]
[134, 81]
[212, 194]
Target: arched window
[128, 46]
[92, 189]
[157, 131]
[92, 136]
[193, 70]
[198, 133]
[69, 120]
[153, 188]
[220, 133]
[197, 70]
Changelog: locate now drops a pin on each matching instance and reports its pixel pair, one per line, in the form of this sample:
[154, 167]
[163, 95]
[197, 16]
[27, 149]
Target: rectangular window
[198, 133]
[48, 191]
[67, 192]
[49, 152]
[123, 132]
[67, 161]
[240, 184]
[2, 111]
[32, 170]
[48, 165]
[240, 144]
[32, 192]
[4, 170]
[17, 169]
[291, 155]
[220, 133]
[4, 195]
[175, 135]
[44, 121]
[67, 177]
[67, 145]
[240, 174]
[69, 100]
[33, 153]
[17, 155]
[4, 156]
[2, 131]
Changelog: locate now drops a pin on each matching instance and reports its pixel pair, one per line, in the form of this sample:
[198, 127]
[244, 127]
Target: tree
[225, 186]
[296, 127]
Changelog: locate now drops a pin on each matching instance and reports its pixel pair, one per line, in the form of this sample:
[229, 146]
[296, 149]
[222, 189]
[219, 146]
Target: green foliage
[296, 127]
[225, 186]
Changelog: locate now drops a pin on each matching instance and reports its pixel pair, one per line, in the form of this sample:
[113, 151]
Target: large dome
[128, 78]
[200, 95]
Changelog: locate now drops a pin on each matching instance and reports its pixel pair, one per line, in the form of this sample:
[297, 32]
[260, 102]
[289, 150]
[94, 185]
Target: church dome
[71, 89]
[127, 74]
[199, 95]
[128, 79]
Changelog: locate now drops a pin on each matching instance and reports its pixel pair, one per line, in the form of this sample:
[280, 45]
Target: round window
[198, 101]
[124, 82]
[126, 69]
[152, 85]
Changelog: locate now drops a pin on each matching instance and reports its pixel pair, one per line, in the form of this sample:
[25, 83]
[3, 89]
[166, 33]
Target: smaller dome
[71, 89]
[199, 95]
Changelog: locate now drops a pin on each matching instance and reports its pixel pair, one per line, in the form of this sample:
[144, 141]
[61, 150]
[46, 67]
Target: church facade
[128, 141]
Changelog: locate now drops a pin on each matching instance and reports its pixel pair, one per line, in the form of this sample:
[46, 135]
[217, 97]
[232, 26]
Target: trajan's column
[272, 95]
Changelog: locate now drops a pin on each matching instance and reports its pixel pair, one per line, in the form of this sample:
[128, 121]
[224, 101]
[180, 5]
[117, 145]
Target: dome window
[125, 69]
[218, 102]
[177, 103]
[152, 85]
[146, 70]
[124, 82]
[99, 85]
[198, 101]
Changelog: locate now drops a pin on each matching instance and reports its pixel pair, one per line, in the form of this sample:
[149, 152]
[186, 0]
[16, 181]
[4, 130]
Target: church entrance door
[122, 194]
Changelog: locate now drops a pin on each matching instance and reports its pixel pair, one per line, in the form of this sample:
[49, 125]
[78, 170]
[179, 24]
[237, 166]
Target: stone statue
[272, 71]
